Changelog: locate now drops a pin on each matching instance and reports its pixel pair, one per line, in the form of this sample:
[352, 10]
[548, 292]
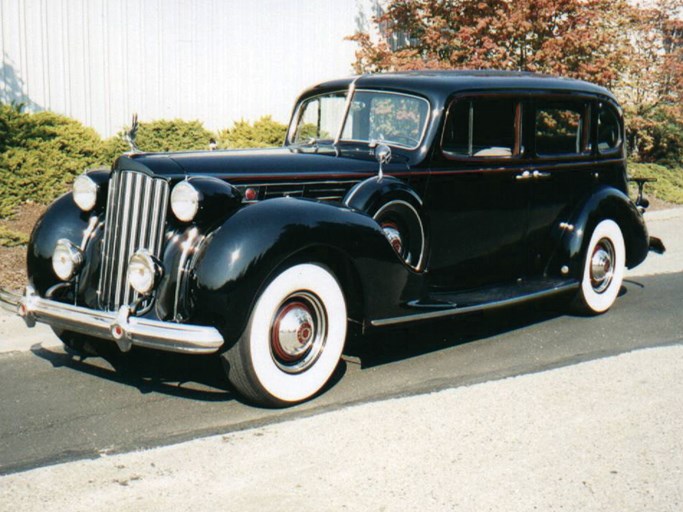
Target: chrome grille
[135, 219]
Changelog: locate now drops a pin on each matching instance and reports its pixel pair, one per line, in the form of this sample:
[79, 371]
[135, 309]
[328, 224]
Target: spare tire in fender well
[398, 209]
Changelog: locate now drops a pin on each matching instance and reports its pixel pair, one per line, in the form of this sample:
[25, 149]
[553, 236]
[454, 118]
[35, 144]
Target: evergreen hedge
[41, 153]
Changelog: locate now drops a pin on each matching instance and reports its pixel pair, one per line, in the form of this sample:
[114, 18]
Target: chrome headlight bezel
[185, 200]
[144, 272]
[84, 192]
[67, 259]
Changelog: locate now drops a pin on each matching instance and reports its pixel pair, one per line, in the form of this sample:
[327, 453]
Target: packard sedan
[396, 198]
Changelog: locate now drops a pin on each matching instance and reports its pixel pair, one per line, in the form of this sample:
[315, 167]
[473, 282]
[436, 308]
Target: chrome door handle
[539, 175]
[524, 176]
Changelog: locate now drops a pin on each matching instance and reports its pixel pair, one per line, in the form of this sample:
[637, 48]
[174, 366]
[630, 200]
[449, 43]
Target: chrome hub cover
[393, 235]
[298, 333]
[602, 265]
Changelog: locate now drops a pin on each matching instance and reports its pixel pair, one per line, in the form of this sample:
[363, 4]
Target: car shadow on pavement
[391, 345]
[193, 377]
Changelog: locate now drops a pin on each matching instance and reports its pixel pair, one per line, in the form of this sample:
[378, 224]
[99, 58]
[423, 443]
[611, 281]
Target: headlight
[184, 201]
[85, 192]
[143, 272]
[66, 260]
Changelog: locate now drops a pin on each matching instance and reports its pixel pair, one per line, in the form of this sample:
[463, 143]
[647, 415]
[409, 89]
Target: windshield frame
[353, 91]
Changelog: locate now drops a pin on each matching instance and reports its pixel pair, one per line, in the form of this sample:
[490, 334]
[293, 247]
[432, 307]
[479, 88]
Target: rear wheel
[294, 338]
[603, 269]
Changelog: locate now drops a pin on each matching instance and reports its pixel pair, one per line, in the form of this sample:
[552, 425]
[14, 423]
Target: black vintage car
[396, 198]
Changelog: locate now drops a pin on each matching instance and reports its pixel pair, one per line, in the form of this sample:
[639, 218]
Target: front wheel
[603, 269]
[294, 338]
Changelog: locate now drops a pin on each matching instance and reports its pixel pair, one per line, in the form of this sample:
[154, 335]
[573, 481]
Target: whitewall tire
[603, 269]
[294, 338]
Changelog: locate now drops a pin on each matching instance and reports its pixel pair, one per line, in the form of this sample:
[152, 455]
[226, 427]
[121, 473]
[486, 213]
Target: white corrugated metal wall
[217, 61]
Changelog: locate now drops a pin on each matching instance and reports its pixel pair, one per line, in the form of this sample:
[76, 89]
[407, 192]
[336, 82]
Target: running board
[440, 305]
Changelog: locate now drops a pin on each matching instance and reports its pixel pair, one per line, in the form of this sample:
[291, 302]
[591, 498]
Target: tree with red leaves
[637, 51]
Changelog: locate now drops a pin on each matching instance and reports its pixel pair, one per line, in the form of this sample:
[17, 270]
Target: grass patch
[669, 184]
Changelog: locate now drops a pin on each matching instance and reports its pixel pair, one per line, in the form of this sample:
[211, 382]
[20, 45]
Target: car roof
[439, 84]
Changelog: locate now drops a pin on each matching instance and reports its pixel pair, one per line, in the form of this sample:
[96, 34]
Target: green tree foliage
[580, 38]
[263, 133]
[635, 48]
[656, 136]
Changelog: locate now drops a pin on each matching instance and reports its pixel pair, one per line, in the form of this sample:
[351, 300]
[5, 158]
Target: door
[563, 171]
[478, 194]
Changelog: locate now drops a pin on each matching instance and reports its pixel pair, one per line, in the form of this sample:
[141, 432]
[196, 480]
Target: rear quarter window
[561, 128]
[609, 129]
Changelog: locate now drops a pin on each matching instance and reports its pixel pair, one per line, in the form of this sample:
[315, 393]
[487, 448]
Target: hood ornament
[382, 155]
[130, 135]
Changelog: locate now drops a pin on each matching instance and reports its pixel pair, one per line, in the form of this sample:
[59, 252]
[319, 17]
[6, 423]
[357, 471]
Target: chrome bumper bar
[115, 326]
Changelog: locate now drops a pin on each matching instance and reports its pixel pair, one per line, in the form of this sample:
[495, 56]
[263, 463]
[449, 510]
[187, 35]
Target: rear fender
[573, 236]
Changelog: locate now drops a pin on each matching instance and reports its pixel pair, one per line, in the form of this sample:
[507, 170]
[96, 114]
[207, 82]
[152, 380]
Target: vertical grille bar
[106, 249]
[135, 219]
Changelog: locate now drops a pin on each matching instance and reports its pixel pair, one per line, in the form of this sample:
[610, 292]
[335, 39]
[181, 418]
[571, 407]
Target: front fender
[574, 235]
[63, 219]
[239, 258]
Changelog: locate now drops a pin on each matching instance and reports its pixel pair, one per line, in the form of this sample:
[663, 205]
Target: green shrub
[161, 135]
[11, 238]
[42, 153]
[669, 184]
[263, 133]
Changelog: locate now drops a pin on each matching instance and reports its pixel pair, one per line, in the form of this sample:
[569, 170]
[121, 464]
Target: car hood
[260, 164]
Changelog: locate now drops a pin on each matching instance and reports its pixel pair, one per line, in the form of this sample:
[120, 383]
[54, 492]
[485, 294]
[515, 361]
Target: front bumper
[115, 326]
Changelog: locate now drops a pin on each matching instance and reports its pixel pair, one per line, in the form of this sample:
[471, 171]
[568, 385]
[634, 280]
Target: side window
[561, 128]
[320, 117]
[481, 127]
[609, 129]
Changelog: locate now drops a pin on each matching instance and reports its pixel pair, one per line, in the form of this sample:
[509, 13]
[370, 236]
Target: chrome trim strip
[305, 183]
[168, 336]
[9, 301]
[347, 107]
[92, 224]
[183, 269]
[470, 309]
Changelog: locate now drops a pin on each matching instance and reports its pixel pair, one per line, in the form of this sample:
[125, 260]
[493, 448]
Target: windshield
[394, 118]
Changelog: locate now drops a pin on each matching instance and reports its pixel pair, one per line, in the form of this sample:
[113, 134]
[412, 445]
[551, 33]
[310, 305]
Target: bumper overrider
[119, 326]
